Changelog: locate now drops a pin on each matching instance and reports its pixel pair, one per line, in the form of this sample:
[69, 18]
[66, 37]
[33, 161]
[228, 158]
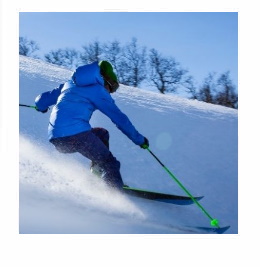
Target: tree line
[135, 65]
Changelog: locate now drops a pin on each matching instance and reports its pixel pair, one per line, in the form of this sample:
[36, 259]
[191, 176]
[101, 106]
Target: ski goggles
[112, 85]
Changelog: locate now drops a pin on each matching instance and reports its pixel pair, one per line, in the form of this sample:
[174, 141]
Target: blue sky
[202, 42]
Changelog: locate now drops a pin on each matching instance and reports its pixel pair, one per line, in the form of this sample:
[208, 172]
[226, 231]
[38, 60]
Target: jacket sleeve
[47, 99]
[107, 106]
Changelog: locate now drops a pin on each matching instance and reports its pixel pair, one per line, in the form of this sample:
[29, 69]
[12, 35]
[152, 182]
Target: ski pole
[28, 106]
[213, 222]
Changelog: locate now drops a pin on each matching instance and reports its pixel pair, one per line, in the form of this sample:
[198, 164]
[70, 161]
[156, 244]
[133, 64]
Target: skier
[74, 102]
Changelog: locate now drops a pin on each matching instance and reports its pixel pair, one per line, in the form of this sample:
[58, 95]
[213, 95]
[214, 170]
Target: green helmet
[108, 74]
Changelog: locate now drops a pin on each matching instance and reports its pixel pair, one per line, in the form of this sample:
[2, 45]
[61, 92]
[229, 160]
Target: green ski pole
[28, 106]
[213, 222]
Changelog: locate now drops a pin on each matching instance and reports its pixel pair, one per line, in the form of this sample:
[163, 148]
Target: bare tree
[27, 47]
[63, 57]
[207, 90]
[166, 74]
[92, 52]
[132, 65]
[226, 95]
[219, 91]
[113, 53]
[190, 88]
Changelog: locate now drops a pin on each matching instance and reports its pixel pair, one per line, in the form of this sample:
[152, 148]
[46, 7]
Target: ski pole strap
[214, 222]
[28, 106]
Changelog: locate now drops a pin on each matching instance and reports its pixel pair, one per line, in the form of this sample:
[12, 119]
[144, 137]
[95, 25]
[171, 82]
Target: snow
[197, 141]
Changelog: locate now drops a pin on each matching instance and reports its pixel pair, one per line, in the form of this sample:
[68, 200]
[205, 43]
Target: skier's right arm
[107, 106]
[47, 99]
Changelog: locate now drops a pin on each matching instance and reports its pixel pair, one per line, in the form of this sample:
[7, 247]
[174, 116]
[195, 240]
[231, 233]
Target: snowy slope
[195, 140]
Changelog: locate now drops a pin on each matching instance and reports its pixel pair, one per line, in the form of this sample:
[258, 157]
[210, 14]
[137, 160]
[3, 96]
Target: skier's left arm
[47, 99]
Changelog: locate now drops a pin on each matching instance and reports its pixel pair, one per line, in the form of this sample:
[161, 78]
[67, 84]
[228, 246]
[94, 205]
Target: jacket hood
[88, 75]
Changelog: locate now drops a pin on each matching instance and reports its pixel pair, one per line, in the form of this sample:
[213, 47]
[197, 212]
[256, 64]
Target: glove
[42, 111]
[145, 145]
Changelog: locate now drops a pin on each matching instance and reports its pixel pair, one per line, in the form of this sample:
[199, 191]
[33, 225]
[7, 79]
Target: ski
[210, 230]
[203, 230]
[157, 196]
[198, 229]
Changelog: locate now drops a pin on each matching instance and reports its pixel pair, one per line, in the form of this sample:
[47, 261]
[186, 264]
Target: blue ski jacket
[76, 100]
